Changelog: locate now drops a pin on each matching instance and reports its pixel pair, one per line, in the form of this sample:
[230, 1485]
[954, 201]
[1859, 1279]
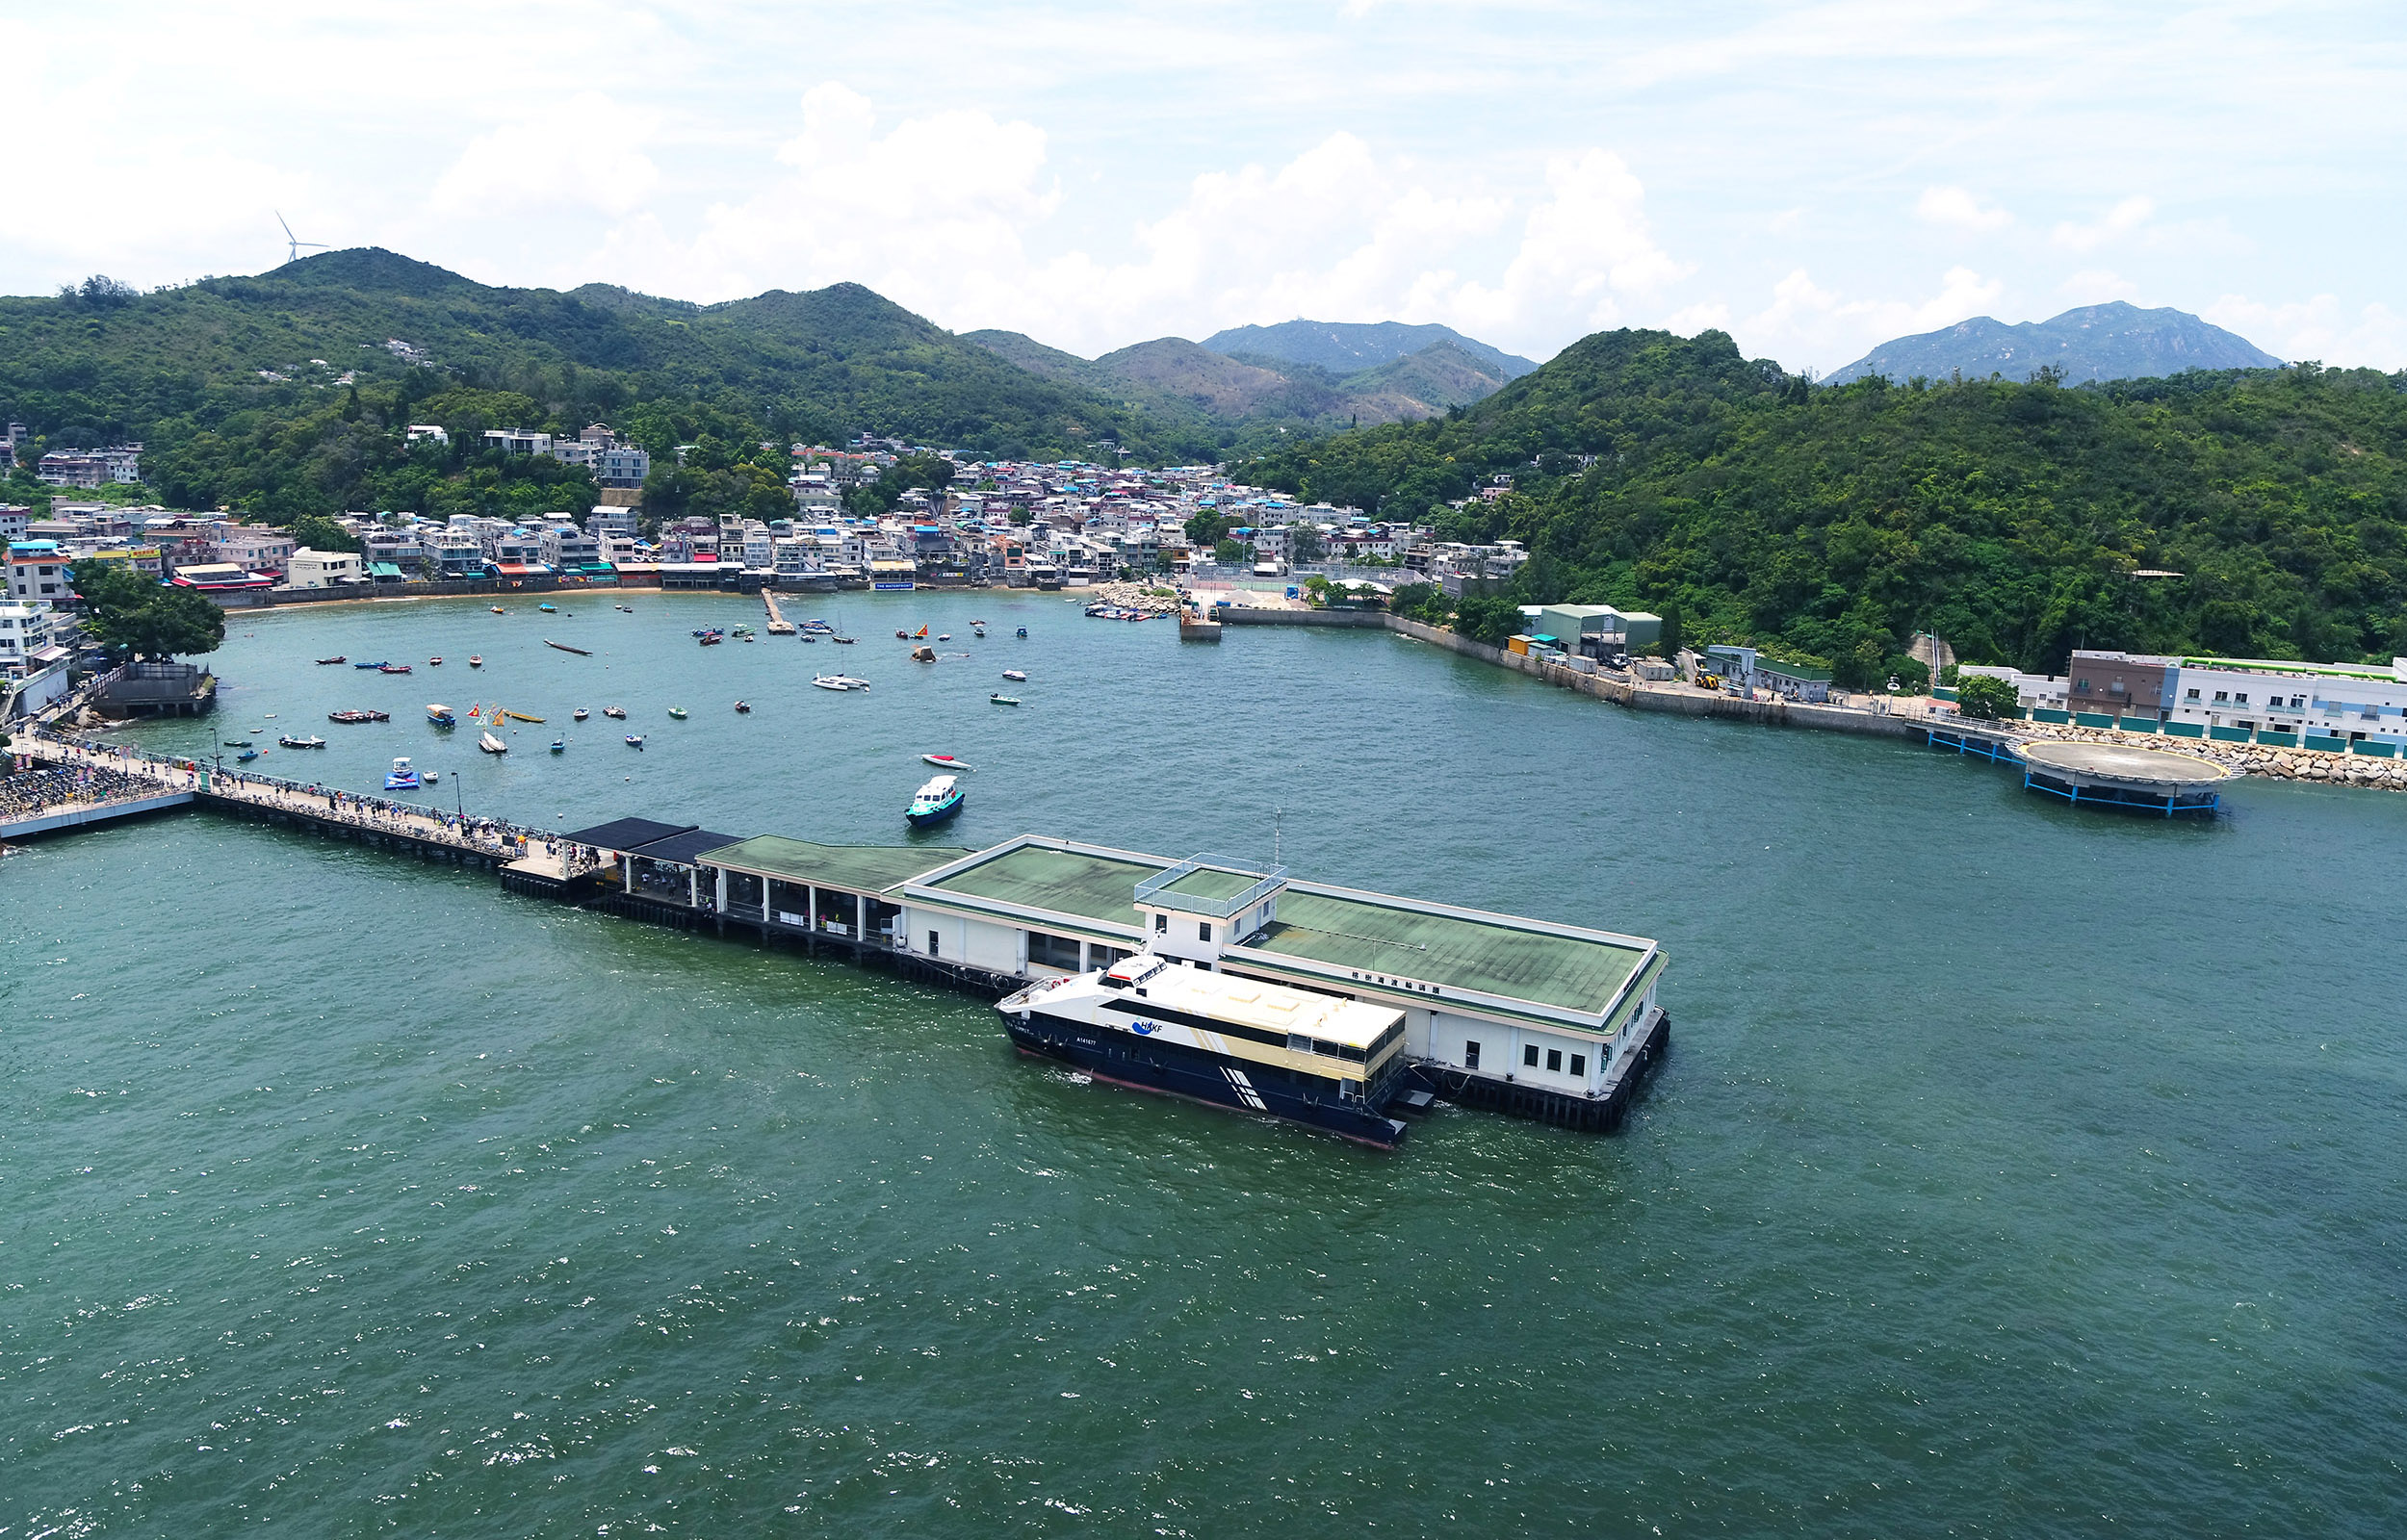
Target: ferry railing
[1155, 890]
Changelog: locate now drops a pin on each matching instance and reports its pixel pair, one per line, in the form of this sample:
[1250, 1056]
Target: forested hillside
[1831, 525]
[238, 386]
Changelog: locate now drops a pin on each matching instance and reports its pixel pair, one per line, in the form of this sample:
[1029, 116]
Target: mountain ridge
[1347, 348]
[2114, 341]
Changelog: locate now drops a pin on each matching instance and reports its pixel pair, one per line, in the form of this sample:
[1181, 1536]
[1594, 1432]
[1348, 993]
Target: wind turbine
[294, 255]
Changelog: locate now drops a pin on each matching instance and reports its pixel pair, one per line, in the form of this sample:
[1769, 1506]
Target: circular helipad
[2116, 764]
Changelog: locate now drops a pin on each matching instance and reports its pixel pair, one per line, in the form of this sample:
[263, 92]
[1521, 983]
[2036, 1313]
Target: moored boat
[1003, 700]
[336, 658]
[247, 755]
[476, 660]
[1222, 1038]
[491, 744]
[580, 714]
[380, 664]
[392, 668]
[498, 609]
[743, 707]
[634, 740]
[559, 745]
[946, 761]
[618, 711]
[401, 777]
[440, 715]
[1015, 676]
[549, 609]
[677, 713]
[563, 647]
[934, 803]
[287, 741]
[238, 743]
[435, 661]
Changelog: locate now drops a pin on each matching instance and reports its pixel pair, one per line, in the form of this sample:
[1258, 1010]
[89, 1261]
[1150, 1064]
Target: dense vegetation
[1831, 525]
[277, 394]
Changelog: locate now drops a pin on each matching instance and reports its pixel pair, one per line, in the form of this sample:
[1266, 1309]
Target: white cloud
[2095, 286]
[2372, 336]
[2130, 215]
[1955, 209]
[945, 212]
[584, 153]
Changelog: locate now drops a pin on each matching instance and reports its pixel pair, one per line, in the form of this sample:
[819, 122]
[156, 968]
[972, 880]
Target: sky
[1812, 178]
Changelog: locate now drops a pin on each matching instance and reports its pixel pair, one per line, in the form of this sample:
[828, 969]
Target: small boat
[934, 803]
[238, 743]
[1021, 633]
[634, 740]
[943, 636]
[559, 745]
[743, 707]
[1003, 700]
[980, 636]
[565, 648]
[946, 761]
[378, 664]
[677, 713]
[247, 755]
[491, 744]
[903, 636]
[287, 741]
[839, 681]
[581, 713]
[336, 658]
[431, 777]
[435, 662]
[392, 668]
[618, 711]
[1015, 676]
[402, 778]
[711, 638]
[440, 715]
[549, 609]
[476, 660]
[348, 716]
[499, 611]
[625, 610]
[519, 716]
[843, 641]
[923, 655]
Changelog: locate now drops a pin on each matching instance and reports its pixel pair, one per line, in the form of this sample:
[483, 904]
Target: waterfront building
[2350, 703]
[37, 573]
[324, 568]
[29, 638]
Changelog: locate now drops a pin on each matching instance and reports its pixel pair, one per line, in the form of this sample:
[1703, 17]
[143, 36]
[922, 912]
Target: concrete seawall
[1603, 687]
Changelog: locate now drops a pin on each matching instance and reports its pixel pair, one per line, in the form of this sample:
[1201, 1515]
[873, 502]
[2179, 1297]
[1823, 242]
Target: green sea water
[2017, 1171]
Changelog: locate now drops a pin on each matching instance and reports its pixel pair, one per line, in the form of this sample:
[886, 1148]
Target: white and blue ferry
[937, 800]
[1243, 1043]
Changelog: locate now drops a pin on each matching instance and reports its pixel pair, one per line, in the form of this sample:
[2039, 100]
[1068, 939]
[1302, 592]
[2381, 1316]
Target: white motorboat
[491, 744]
[1015, 676]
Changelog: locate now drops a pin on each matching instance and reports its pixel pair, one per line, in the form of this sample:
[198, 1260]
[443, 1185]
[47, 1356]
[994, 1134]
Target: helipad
[2160, 781]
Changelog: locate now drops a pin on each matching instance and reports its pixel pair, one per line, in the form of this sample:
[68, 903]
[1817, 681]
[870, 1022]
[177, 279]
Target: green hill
[1831, 524]
[192, 370]
[1347, 348]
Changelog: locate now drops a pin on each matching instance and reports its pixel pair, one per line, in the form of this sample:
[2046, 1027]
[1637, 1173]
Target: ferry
[400, 778]
[1150, 1024]
[937, 800]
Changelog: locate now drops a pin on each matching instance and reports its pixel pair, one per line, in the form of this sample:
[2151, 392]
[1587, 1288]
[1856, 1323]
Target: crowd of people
[31, 793]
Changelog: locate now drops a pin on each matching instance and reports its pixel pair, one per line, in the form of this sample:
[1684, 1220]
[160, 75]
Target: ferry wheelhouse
[1155, 1024]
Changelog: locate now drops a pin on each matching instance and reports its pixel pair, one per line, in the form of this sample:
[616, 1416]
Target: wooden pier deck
[778, 625]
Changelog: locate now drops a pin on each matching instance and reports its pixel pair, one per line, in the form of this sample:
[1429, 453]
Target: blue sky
[1813, 178]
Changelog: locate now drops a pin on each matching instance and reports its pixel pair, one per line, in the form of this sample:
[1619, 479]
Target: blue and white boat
[401, 777]
[937, 800]
[1222, 1038]
[440, 715]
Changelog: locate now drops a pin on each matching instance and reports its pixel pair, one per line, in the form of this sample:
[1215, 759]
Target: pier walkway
[778, 625]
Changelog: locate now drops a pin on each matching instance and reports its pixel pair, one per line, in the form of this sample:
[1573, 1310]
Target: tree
[1206, 528]
[132, 615]
[1985, 698]
[1230, 553]
[1306, 543]
[320, 533]
[1493, 621]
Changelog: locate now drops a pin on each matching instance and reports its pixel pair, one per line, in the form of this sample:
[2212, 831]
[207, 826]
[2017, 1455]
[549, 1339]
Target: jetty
[778, 625]
[1556, 1022]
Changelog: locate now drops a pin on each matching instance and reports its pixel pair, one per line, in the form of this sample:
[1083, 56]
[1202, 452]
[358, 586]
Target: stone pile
[2248, 758]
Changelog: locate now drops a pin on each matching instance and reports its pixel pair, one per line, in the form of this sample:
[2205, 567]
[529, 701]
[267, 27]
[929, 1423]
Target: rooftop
[859, 868]
[1460, 949]
[1072, 881]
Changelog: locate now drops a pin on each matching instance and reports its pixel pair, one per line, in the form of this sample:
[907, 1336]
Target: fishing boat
[287, 741]
[1003, 700]
[247, 755]
[743, 707]
[580, 714]
[393, 668]
[549, 609]
[677, 713]
[440, 715]
[559, 745]
[1232, 1041]
[350, 716]
[618, 711]
[336, 658]
[563, 647]
[946, 761]
[402, 778]
[1015, 676]
[476, 660]
[378, 664]
[934, 803]
[634, 740]
[491, 744]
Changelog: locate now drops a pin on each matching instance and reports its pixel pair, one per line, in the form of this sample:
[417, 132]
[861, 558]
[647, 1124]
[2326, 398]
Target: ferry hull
[1175, 1070]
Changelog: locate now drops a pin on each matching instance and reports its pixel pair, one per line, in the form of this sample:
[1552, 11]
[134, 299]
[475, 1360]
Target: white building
[25, 631]
[517, 441]
[324, 569]
[432, 431]
[2044, 692]
[2352, 702]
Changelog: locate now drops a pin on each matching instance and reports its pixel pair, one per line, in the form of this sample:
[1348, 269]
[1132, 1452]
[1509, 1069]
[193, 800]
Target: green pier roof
[1404, 941]
[859, 868]
[1070, 881]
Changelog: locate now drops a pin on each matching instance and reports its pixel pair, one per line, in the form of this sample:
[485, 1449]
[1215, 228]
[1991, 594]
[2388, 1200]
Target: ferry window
[1203, 931]
[1554, 1060]
[1579, 1065]
[1299, 1044]
[1529, 1056]
[1470, 1054]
